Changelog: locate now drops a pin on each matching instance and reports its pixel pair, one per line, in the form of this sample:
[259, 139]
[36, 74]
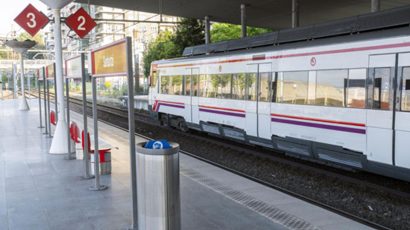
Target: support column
[23, 102]
[243, 21]
[375, 5]
[59, 144]
[207, 30]
[295, 13]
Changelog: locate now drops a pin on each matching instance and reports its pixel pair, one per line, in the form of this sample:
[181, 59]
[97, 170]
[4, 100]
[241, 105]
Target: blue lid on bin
[157, 144]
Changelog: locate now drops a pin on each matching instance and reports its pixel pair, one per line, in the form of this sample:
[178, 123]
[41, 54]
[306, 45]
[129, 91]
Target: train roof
[388, 23]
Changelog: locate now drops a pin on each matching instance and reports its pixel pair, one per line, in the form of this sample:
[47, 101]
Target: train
[337, 93]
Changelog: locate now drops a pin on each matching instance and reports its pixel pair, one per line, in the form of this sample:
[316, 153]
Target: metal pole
[131, 134]
[23, 103]
[48, 109]
[295, 13]
[45, 101]
[29, 83]
[59, 145]
[97, 186]
[207, 30]
[243, 20]
[86, 160]
[14, 81]
[67, 92]
[375, 6]
[39, 104]
[55, 93]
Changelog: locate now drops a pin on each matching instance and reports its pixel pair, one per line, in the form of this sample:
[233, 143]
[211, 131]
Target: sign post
[86, 160]
[39, 78]
[14, 67]
[111, 61]
[49, 76]
[72, 71]
[46, 121]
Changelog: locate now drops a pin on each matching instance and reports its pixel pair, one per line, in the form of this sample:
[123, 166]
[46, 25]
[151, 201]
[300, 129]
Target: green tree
[161, 48]
[189, 32]
[226, 31]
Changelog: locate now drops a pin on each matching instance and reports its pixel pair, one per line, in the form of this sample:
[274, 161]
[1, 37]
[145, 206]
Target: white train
[344, 99]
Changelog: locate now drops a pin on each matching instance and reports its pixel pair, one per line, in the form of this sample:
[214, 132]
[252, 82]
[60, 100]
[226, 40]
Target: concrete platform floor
[43, 191]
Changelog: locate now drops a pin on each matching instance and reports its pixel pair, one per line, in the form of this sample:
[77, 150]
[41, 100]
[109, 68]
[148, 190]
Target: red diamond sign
[31, 20]
[81, 22]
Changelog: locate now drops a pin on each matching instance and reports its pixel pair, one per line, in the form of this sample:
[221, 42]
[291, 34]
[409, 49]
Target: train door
[194, 79]
[258, 103]
[380, 113]
[402, 116]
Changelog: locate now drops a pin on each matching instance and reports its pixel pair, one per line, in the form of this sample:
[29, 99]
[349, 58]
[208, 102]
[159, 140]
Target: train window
[203, 85]
[165, 80]
[311, 100]
[293, 87]
[330, 87]
[172, 85]
[195, 85]
[381, 88]
[251, 86]
[264, 86]
[154, 79]
[187, 86]
[177, 85]
[222, 85]
[405, 98]
[238, 86]
[356, 88]
[216, 86]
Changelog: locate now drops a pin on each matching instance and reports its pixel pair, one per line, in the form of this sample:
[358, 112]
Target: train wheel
[182, 125]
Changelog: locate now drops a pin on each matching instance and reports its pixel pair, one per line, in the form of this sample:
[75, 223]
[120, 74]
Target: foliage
[161, 48]
[189, 32]
[225, 31]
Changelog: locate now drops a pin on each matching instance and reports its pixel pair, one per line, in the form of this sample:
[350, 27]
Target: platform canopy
[275, 14]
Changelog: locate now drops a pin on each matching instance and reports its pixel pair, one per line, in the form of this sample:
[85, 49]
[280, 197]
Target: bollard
[158, 188]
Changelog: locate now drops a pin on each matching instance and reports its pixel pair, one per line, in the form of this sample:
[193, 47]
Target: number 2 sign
[81, 22]
[31, 20]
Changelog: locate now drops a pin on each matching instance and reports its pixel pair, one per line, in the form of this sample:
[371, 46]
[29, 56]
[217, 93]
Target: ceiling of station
[275, 14]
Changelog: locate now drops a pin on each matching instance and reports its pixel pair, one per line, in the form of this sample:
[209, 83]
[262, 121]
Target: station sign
[110, 60]
[73, 67]
[31, 20]
[80, 22]
[50, 72]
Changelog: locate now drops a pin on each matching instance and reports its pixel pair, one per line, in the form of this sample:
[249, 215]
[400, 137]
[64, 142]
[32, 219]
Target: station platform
[43, 191]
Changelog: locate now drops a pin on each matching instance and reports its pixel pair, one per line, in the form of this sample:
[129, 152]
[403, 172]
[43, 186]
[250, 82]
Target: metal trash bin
[158, 188]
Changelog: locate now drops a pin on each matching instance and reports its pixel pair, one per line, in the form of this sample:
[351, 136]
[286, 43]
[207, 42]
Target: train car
[342, 99]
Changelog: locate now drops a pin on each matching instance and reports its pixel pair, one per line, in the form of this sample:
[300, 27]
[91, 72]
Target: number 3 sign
[81, 22]
[31, 20]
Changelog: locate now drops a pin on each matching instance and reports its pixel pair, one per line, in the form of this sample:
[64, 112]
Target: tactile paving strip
[269, 211]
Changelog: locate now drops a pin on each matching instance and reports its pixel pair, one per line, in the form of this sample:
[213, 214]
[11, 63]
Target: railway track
[119, 118]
